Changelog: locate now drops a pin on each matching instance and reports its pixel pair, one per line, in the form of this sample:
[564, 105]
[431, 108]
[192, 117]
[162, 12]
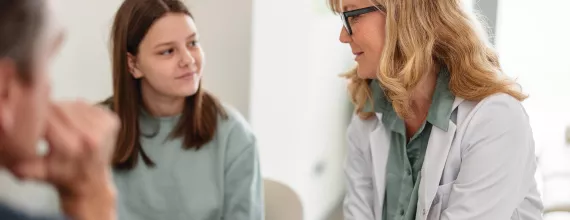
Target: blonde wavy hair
[421, 34]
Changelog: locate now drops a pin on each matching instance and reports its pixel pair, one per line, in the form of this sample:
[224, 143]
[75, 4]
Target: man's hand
[81, 140]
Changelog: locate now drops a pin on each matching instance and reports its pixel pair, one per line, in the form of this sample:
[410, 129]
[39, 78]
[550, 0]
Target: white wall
[532, 40]
[225, 33]
[299, 105]
[82, 69]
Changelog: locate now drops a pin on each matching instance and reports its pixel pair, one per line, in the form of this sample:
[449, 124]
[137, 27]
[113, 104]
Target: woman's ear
[133, 69]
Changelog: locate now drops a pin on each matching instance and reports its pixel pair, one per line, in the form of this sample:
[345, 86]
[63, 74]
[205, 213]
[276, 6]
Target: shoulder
[234, 132]
[497, 117]
[233, 115]
[499, 107]
[233, 120]
[359, 129]
[358, 125]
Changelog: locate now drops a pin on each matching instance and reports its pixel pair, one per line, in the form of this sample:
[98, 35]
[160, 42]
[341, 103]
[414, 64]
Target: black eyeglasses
[348, 14]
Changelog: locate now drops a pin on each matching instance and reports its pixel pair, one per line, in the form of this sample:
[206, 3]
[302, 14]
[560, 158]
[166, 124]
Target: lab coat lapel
[437, 151]
[379, 147]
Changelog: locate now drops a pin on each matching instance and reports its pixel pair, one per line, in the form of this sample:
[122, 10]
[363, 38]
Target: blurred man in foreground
[80, 137]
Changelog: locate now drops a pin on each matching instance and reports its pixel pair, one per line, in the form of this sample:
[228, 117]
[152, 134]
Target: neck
[422, 95]
[160, 105]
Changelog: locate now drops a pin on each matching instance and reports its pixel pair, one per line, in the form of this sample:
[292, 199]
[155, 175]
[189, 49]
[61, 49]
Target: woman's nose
[344, 36]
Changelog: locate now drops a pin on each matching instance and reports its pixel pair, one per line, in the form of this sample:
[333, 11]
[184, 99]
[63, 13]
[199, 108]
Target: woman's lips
[358, 55]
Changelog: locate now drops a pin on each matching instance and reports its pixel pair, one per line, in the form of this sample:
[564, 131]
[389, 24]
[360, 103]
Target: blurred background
[278, 63]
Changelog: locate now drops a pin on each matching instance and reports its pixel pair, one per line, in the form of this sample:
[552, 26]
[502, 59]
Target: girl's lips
[186, 75]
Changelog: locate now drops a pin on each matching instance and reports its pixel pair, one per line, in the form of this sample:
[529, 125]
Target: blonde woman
[440, 133]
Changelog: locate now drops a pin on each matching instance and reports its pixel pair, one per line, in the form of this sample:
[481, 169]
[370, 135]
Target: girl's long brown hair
[198, 121]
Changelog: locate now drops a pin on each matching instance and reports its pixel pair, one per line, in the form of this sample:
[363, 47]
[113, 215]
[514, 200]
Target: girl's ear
[133, 69]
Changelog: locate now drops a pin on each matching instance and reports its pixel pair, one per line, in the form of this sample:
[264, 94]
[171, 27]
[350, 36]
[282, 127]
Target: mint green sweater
[220, 181]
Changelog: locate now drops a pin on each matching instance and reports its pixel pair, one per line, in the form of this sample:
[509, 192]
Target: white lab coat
[482, 168]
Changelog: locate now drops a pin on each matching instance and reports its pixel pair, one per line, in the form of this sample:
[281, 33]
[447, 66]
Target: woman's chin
[365, 73]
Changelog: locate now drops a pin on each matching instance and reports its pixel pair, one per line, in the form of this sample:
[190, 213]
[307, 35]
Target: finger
[96, 127]
[65, 151]
[63, 140]
[31, 170]
[61, 111]
[104, 126]
[86, 120]
[76, 115]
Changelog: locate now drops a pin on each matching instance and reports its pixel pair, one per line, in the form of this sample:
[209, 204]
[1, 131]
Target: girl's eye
[193, 43]
[167, 52]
